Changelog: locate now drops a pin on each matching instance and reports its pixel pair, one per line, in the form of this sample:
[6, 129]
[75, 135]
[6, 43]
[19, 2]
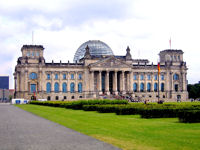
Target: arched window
[33, 75]
[149, 87]
[155, 87]
[72, 87]
[176, 77]
[162, 87]
[80, 87]
[64, 87]
[48, 87]
[56, 87]
[135, 87]
[141, 87]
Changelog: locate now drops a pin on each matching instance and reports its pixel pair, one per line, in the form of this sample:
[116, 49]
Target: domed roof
[96, 48]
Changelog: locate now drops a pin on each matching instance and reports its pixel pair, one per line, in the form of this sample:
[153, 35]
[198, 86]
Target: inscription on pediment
[112, 63]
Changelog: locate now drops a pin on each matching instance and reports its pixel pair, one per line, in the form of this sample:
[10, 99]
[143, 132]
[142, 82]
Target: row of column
[115, 80]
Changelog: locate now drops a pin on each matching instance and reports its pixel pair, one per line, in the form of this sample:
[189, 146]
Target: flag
[158, 68]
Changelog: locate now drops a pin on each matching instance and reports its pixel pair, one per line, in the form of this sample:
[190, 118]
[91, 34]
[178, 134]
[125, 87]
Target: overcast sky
[61, 26]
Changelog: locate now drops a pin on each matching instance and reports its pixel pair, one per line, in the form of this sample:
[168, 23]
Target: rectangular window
[56, 76]
[156, 77]
[64, 76]
[141, 77]
[134, 77]
[176, 87]
[148, 77]
[33, 88]
[72, 76]
[80, 76]
[162, 77]
[48, 76]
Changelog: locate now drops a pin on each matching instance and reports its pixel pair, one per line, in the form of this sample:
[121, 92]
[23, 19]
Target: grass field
[128, 132]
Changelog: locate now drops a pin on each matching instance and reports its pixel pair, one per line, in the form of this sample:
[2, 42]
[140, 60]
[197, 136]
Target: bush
[189, 116]
[78, 104]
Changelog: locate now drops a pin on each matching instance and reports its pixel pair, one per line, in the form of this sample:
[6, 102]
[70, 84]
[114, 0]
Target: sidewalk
[21, 130]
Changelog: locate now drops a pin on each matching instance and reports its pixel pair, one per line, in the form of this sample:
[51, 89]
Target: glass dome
[96, 48]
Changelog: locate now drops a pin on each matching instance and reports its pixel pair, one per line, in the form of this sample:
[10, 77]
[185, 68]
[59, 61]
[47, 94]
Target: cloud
[62, 26]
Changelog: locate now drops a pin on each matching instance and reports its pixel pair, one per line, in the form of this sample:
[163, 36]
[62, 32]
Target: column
[152, 82]
[76, 84]
[171, 81]
[26, 81]
[128, 82]
[131, 82]
[184, 81]
[123, 83]
[92, 81]
[52, 82]
[107, 83]
[40, 81]
[100, 82]
[18, 81]
[145, 82]
[115, 84]
[68, 83]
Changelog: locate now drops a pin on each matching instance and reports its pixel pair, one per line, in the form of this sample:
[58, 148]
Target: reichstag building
[97, 73]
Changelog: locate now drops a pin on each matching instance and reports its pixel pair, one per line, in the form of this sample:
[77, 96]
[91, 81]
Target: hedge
[78, 104]
[103, 108]
[189, 116]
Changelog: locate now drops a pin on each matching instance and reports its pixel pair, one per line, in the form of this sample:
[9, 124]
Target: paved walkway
[21, 130]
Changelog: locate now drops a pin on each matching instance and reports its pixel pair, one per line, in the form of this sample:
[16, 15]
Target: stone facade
[95, 77]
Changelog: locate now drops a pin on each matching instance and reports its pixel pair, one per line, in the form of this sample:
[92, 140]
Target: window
[176, 87]
[141, 77]
[176, 77]
[33, 75]
[80, 76]
[178, 57]
[141, 87]
[155, 87]
[148, 77]
[28, 54]
[48, 98]
[80, 87]
[174, 57]
[37, 54]
[33, 88]
[148, 87]
[135, 87]
[33, 54]
[162, 77]
[155, 77]
[48, 87]
[56, 76]
[64, 88]
[57, 98]
[65, 97]
[48, 76]
[56, 87]
[72, 76]
[162, 87]
[64, 76]
[72, 87]
[134, 77]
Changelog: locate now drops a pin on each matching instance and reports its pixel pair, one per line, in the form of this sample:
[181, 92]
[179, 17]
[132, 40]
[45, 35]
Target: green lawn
[128, 132]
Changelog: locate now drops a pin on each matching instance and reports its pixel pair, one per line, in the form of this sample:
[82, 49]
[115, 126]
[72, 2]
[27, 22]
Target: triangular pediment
[111, 62]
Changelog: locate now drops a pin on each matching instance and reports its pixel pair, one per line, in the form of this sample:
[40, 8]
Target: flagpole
[158, 81]
[158, 86]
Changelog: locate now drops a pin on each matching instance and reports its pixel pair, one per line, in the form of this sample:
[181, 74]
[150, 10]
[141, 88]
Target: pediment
[111, 62]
